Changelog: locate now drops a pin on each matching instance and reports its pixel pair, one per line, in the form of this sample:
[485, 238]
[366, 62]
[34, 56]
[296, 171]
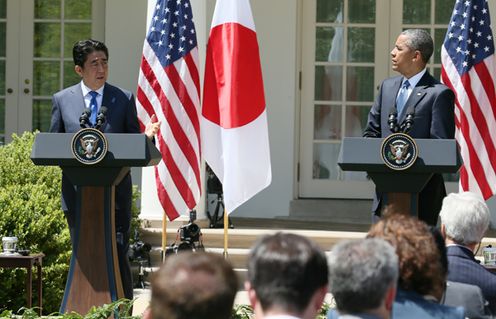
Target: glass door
[346, 48]
[36, 39]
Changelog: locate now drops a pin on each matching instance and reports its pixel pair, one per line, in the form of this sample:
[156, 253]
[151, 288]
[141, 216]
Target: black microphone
[84, 118]
[393, 120]
[101, 117]
[408, 123]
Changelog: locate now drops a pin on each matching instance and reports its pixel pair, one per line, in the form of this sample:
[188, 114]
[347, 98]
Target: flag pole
[164, 236]
[226, 219]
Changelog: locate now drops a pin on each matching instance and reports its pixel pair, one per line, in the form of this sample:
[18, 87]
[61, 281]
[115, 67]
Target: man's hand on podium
[152, 127]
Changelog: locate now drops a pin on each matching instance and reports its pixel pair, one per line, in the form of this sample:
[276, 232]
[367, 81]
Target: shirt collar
[415, 79]
[87, 90]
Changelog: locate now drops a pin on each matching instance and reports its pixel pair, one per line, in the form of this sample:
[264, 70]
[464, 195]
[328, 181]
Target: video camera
[190, 237]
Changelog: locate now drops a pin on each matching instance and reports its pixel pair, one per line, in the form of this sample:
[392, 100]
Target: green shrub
[30, 210]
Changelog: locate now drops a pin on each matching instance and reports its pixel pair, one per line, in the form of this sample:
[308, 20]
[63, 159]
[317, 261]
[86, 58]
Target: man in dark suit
[464, 221]
[91, 64]
[416, 95]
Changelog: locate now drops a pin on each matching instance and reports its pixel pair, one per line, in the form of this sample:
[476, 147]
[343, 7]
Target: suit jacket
[467, 296]
[432, 105]
[463, 267]
[67, 107]
[409, 304]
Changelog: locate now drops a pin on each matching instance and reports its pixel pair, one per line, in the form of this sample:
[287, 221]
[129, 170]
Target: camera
[189, 236]
[189, 232]
[139, 251]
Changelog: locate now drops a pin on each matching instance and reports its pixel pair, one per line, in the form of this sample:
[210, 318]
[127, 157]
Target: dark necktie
[402, 97]
[93, 107]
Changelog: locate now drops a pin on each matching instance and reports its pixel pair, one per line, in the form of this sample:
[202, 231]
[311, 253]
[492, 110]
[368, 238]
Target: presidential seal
[89, 146]
[399, 151]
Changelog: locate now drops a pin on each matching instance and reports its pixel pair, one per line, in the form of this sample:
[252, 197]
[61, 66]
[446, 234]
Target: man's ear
[443, 231]
[319, 297]
[389, 298]
[252, 295]
[79, 70]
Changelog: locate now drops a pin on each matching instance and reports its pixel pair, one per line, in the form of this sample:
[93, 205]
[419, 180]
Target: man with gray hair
[464, 221]
[362, 278]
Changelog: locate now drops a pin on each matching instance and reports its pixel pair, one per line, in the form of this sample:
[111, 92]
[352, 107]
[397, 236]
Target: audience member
[193, 286]
[287, 277]
[464, 221]
[457, 294]
[362, 279]
[421, 278]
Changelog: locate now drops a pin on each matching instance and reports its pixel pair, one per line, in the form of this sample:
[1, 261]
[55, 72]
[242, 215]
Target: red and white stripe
[475, 119]
[172, 94]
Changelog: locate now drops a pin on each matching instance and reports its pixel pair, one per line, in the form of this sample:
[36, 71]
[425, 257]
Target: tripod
[216, 220]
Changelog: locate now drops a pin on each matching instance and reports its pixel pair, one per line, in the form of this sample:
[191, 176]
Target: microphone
[407, 125]
[393, 120]
[101, 117]
[84, 118]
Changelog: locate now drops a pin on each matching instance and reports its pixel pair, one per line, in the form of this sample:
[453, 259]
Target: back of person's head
[193, 286]
[83, 48]
[286, 270]
[420, 40]
[465, 217]
[361, 274]
[420, 265]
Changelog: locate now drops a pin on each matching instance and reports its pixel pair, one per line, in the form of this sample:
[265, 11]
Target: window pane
[328, 11]
[42, 110]
[70, 76]
[47, 40]
[77, 9]
[46, 77]
[437, 74]
[3, 29]
[361, 45]
[74, 32]
[327, 122]
[329, 44]
[356, 120]
[444, 8]
[325, 160]
[359, 83]
[2, 77]
[47, 9]
[416, 11]
[328, 83]
[361, 11]
[3, 9]
[439, 35]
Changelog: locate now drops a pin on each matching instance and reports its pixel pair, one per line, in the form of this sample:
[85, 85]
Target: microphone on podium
[101, 117]
[84, 119]
[393, 120]
[408, 123]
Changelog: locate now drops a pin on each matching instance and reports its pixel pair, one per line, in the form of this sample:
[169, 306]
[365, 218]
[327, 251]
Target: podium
[401, 187]
[94, 276]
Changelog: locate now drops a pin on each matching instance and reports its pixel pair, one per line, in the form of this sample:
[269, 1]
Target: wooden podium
[94, 276]
[401, 187]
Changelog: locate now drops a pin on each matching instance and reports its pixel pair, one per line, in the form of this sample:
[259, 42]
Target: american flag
[169, 87]
[469, 69]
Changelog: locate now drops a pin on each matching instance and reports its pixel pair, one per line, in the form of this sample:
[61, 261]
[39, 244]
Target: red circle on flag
[233, 88]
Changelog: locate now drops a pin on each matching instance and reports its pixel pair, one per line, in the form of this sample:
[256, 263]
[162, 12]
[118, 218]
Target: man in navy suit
[416, 95]
[91, 64]
[464, 221]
